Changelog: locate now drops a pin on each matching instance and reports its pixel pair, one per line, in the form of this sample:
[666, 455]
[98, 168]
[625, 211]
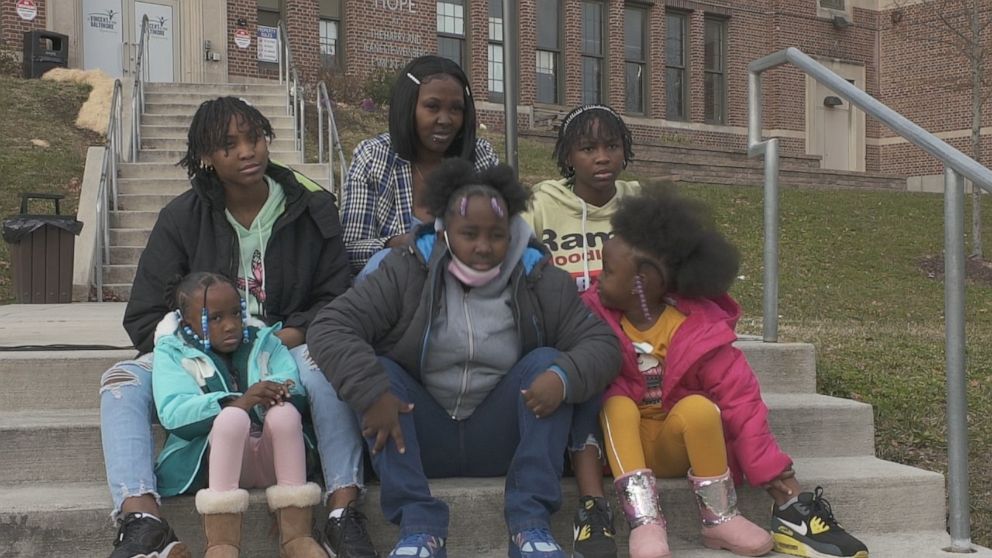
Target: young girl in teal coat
[221, 388]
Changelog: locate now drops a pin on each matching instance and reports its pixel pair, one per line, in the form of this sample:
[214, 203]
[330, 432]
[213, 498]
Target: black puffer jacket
[305, 260]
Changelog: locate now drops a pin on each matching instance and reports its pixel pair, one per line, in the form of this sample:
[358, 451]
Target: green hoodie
[573, 230]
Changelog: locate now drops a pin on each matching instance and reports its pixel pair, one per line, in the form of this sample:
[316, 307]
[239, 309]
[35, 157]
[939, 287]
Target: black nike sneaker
[144, 536]
[807, 528]
[593, 532]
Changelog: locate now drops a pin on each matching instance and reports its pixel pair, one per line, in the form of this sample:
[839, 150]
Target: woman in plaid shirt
[431, 117]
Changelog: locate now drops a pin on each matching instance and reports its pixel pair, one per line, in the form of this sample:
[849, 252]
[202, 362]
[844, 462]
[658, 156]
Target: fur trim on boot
[638, 495]
[221, 513]
[293, 506]
[723, 527]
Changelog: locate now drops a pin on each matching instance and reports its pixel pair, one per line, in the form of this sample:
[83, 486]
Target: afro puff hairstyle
[457, 178]
[698, 261]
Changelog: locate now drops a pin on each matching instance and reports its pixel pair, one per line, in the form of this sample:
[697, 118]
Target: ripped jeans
[127, 411]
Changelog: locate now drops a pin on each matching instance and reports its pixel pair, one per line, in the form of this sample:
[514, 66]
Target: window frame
[598, 57]
[683, 68]
[462, 39]
[724, 23]
[336, 66]
[642, 62]
[556, 56]
[493, 42]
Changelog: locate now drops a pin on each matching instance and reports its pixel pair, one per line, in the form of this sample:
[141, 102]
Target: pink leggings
[240, 460]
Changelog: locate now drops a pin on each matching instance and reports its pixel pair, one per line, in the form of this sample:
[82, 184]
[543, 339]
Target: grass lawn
[36, 109]
[851, 281]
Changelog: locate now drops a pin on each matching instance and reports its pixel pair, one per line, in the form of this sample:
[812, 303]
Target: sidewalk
[81, 324]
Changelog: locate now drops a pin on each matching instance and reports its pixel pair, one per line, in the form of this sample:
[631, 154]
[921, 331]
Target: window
[592, 52]
[676, 82]
[833, 4]
[635, 56]
[715, 70]
[268, 13]
[451, 30]
[495, 50]
[329, 43]
[548, 50]
[330, 34]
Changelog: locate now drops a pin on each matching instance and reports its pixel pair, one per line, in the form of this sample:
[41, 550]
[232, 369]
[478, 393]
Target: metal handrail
[138, 93]
[333, 139]
[295, 102]
[956, 165]
[112, 155]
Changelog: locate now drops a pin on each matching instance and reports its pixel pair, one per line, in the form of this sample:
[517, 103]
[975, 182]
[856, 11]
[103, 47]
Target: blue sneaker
[535, 543]
[419, 545]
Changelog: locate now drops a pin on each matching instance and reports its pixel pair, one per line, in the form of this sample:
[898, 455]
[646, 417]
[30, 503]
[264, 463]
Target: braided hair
[208, 131]
[578, 124]
[457, 179]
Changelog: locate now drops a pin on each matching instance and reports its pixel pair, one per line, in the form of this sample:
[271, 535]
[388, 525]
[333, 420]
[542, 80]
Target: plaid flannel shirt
[377, 198]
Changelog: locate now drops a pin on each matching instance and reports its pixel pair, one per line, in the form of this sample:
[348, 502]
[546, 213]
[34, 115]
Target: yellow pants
[688, 436]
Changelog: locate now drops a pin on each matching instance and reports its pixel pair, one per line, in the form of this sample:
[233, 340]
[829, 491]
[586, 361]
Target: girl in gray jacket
[463, 355]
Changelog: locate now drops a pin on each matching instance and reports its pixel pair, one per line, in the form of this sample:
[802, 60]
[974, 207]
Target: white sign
[27, 9]
[241, 38]
[268, 44]
[103, 33]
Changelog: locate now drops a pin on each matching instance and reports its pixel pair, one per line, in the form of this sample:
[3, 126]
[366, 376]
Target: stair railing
[295, 101]
[956, 166]
[333, 140]
[138, 93]
[107, 192]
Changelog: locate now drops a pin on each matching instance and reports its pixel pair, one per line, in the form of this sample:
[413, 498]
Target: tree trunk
[976, 126]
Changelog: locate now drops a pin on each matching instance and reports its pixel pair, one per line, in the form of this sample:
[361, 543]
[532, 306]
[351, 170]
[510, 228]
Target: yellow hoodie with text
[574, 231]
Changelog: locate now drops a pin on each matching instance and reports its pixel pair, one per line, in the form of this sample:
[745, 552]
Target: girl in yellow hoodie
[571, 216]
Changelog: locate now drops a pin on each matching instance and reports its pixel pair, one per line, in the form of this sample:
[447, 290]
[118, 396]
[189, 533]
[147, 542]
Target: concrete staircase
[54, 499]
[147, 185]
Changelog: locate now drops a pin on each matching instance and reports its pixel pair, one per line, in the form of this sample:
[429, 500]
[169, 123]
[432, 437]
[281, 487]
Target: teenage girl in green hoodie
[571, 216]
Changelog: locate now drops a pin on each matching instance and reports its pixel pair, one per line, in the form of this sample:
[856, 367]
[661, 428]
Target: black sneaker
[346, 536]
[808, 528]
[144, 536]
[593, 532]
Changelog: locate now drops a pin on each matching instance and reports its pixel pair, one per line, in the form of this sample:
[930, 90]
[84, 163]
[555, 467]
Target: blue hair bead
[244, 320]
[204, 321]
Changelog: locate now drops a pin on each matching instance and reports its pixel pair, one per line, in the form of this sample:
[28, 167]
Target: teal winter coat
[189, 385]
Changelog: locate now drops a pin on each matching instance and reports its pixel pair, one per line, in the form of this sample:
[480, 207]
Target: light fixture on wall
[831, 101]
[841, 22]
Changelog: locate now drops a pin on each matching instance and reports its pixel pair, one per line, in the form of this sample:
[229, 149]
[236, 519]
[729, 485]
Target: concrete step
[734, 174]
[174, 155]
[261, 100]
[145, 170]
[216, 89]
[782, 368]
[119, 292]
[133, 219]
[144, 202]
[119, 273]
[278, 118]
[44, 444]
[49, 520]
[129, 237]
[188, 105]
[182, 132]
[174, 185]
[177, 144]
[125, 254]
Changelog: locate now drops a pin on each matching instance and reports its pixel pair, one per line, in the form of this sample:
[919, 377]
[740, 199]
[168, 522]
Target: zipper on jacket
[471, 354]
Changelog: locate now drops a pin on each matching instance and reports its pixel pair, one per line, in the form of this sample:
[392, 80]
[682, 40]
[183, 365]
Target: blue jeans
[502, 437]
[586, 430]
[127, 411]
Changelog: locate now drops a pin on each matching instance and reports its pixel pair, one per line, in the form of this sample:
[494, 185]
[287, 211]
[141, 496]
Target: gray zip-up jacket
[392, 311]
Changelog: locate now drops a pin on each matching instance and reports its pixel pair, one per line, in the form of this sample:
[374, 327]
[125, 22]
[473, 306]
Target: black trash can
[44, 50]
[41, 252]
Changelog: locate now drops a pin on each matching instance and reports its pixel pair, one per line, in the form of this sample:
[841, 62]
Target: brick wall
[12, 27]
[302, 19]
[242, 61]
[386, 34]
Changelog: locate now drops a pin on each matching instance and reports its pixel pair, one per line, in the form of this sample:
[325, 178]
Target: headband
[580, 110]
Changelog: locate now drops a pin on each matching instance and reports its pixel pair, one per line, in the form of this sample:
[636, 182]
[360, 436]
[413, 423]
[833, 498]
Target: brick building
[675, 68]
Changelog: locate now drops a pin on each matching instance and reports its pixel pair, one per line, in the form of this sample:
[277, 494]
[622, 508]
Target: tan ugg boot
[723, 526]
[293, 506]
[221, 513]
